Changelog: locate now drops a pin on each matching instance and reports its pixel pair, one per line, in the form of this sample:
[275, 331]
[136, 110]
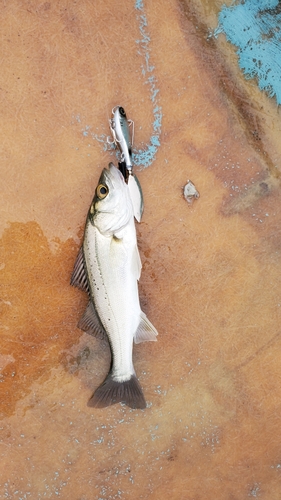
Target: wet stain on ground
[37, 309]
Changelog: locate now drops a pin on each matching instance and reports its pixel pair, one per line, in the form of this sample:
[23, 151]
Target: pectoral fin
[136, 264]
[79, 276]
[136, 196]
[145, 331]
[91, 323]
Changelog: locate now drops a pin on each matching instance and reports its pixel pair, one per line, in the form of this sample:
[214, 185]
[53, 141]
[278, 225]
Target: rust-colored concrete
[211, 271]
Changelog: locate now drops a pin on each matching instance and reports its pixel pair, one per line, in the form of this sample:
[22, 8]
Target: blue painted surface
[141, 157]
[254, 26]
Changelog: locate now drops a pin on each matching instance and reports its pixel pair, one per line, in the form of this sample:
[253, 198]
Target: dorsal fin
[145, 331]
[79, 276]
[91, 323]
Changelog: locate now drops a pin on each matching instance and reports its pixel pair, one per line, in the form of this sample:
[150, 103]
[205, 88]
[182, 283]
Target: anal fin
[91, 323]
[146, 331]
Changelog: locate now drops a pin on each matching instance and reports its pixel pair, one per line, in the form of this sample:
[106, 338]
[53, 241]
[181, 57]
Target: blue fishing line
[254, 27]
[141, 157]
[144, 157]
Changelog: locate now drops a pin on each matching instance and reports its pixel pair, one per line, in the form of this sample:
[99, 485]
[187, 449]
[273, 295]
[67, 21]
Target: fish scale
[118, 297]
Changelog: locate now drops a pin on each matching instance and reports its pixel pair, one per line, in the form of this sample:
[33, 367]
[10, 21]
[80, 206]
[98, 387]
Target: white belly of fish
[113, 267]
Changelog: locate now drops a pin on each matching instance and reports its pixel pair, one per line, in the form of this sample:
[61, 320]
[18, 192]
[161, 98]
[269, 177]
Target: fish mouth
[110, 176]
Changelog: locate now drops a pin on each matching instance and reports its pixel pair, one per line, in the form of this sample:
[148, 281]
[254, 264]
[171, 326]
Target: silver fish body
[108, 267]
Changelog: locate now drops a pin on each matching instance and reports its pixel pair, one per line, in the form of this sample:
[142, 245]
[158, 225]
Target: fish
[108, 268]
[119, 126]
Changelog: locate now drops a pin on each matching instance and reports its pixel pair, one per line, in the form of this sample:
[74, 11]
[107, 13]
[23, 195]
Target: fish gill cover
[254, 26]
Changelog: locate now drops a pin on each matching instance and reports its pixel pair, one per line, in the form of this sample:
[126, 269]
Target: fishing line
[141, 157]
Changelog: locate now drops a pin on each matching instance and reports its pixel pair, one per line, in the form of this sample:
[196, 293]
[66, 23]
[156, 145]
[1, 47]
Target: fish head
[111, 209]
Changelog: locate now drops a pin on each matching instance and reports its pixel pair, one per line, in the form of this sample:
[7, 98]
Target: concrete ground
[211, 272]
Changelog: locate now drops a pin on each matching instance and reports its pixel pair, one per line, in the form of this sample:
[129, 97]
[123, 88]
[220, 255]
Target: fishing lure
[119, 126]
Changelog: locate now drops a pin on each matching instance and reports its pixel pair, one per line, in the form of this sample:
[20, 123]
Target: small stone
[190, 192]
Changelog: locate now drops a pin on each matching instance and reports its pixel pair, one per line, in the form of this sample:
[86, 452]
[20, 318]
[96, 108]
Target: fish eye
[122, 111]
[102, 191]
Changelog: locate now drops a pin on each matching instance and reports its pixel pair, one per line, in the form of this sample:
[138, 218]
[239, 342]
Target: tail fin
[111, 392]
